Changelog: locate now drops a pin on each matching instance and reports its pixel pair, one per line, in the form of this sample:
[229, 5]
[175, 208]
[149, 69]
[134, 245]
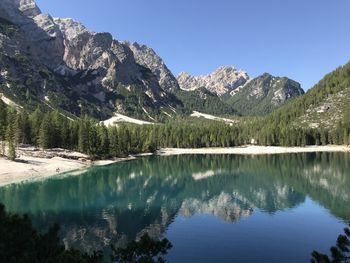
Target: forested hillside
[204, 101]
[52, 130]
[324, 111]
[330, 95]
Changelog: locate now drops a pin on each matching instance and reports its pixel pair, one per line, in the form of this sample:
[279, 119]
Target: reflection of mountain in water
[225, 206]
[117, 203]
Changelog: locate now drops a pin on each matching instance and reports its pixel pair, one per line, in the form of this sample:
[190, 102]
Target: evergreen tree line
[54, 130]
[270, 134]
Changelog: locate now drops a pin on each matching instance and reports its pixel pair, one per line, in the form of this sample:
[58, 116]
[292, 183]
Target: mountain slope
[146, 57]
[204, 101]
[325, 105]
[264, 94]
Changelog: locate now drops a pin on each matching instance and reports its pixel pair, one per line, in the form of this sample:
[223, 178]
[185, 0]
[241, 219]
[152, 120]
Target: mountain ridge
[58, 63]
[223, 80]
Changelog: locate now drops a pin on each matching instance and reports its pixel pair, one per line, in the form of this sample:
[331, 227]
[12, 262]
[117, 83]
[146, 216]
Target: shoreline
[253, 150]
[34, 168]
[31, 168]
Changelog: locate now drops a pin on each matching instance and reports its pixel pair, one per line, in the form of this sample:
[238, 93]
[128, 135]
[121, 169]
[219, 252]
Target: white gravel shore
[254, 150]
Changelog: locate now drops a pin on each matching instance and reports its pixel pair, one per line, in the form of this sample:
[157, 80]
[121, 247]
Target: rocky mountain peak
[71, 28]
[17, 9]
[223, 80]
[19, 12]
[28, 7]
[148, 58]
[263, 94]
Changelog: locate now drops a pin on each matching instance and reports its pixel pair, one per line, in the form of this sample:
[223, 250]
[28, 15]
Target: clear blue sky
[301, 39]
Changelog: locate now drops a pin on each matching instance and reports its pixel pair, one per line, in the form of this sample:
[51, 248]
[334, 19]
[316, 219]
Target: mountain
[325, 106]
[237, 92]
[60, 64]
[264, 94]
[221, 81]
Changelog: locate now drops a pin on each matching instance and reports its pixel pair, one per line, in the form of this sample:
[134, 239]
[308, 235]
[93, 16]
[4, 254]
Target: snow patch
[150, 95]
[167, 114]
[9, 102]
[149, 116]
[172, 108]
[4, 73]
[211, 117]
[122, 118]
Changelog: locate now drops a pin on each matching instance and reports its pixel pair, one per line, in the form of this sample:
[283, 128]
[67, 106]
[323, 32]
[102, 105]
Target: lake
[213, 208]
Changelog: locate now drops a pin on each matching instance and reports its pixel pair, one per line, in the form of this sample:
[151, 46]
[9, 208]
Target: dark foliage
[339, 253]
[146, 250]
[204, 101]
[21, 243]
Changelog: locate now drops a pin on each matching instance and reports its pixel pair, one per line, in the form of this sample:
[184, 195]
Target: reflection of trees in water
[117, 203]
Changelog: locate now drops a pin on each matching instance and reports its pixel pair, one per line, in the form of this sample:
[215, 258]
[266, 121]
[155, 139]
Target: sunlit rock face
[223, 80]
[281, 89]
[42, 38]
[264, 94]
[85, 49]
[19, 10]
[148, 58]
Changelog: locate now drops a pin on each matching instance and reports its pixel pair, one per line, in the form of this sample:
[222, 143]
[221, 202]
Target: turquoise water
[213, 208]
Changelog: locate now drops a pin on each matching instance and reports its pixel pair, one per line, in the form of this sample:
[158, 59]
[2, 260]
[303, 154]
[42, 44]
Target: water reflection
[229, 208]
[121, 202]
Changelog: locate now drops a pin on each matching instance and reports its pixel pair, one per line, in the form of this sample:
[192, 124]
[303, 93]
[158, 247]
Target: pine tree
[28, 97]
[114, 142]
[11, 142]
[46, 133]
[35, 120]
[10, 133]
[103, 140]
[23, 129]
[323, 139]
[3, 126]
[345, 137]
[83, 136]
[64, 131]
[94, 140]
